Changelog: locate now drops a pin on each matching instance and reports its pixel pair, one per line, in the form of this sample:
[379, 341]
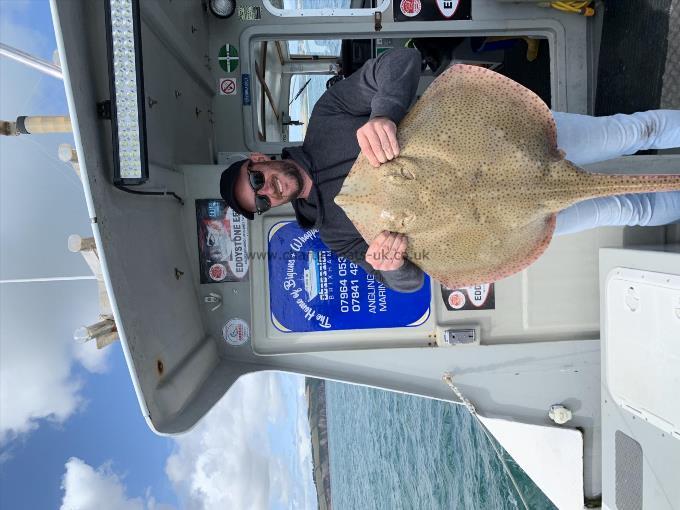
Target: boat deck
[639, 60]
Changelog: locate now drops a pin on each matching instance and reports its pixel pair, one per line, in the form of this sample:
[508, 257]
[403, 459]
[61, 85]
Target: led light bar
[127, 92]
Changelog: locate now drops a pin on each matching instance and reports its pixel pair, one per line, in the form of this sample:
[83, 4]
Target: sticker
[477, 297]
[227, 86]
[447, 7]
[218, 272]
[439, 10]
[249, 12]
[457, 300]
[313, 289]
[382, 45]
[236, 332]
[222, 242]
[410, 8]
[245, 83]
[228, 58]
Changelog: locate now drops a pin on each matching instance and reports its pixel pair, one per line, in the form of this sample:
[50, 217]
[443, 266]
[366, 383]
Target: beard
[289, 169]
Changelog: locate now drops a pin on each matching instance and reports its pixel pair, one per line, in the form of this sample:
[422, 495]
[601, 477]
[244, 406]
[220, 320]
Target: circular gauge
[222, 8]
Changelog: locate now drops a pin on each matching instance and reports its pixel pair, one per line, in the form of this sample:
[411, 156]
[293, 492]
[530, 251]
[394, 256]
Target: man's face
[283, 182]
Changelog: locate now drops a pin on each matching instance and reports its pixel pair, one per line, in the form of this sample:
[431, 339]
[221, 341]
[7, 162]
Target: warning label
[227, 86]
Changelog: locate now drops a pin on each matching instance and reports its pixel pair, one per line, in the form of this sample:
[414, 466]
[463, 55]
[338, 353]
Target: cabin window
[311, 49]
[300, 108]
[307, 87]
[291, 76]
[325, 7]
[290, 72]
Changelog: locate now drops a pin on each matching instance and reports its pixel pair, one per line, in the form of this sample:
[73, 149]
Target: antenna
[22, 57]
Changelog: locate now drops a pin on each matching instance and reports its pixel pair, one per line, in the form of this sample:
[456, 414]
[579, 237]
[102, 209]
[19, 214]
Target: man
[361, 114]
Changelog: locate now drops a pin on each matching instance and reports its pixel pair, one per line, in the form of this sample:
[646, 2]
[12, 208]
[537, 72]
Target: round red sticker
[457, 300]
[218, 272]
[410, 8]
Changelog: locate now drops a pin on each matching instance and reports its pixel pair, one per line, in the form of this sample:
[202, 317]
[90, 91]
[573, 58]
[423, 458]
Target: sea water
[394, 451]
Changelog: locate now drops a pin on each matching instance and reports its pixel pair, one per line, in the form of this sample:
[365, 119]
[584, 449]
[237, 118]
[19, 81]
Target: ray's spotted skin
[478, 181]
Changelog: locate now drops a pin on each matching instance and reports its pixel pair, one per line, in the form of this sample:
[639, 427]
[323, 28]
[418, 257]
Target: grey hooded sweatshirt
[383, 87]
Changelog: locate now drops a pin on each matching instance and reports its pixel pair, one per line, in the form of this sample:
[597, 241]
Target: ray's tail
[585, 185]
[605, 184]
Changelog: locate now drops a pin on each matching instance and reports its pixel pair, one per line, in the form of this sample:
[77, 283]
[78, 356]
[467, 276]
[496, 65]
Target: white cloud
[37, 380]
[229, 460]
[88, 489]
[304, 446]
[93, 359]
[34, 372]
[41, 203]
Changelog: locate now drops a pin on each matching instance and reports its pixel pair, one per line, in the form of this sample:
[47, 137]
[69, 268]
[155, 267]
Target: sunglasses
[256, 179]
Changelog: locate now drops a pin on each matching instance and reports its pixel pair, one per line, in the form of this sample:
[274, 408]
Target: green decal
[380, 51]
[228, 58]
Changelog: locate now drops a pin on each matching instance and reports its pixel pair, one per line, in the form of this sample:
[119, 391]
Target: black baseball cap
[227, 184]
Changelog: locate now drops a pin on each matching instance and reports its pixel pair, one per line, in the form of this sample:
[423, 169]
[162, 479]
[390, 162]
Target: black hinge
[104, 109]
[378, 21]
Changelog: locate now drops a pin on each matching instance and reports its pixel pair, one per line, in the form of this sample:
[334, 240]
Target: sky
[72, 435]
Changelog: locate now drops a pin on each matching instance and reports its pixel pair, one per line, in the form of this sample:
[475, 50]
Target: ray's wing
[450, 261]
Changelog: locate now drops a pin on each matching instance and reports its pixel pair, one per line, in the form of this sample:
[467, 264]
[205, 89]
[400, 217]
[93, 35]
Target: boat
[571, 364]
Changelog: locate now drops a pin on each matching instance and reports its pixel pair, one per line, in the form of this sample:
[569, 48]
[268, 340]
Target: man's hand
[387, 251]
[378, 140]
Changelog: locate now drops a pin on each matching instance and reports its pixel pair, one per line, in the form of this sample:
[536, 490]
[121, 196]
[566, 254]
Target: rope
[448, 379]
[576, 7]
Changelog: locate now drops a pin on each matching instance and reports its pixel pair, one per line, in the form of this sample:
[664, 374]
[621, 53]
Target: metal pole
[29, 60]
[37, 124]
[54, 279]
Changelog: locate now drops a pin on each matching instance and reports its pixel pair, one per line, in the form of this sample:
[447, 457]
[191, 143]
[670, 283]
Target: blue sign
[245, 83]
[312, 289]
